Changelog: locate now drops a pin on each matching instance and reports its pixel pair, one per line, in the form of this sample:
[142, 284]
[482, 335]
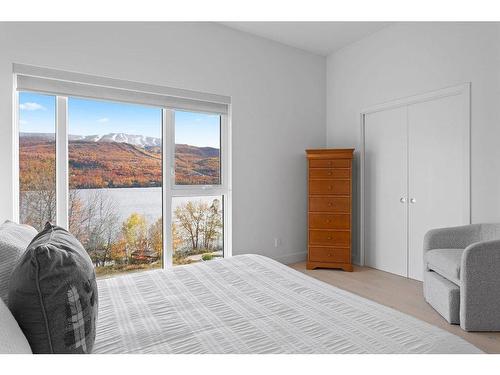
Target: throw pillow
[53, 294]
[14, 239]
[12, 339]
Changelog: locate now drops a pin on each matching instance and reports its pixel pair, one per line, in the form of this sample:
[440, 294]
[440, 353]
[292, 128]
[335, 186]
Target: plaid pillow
[53, 294]
[78, 323]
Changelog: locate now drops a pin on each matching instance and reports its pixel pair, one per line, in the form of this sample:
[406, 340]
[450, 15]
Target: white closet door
[438, 171]
[385, 184]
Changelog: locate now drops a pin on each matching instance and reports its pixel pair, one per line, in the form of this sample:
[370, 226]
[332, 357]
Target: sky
[91, 117]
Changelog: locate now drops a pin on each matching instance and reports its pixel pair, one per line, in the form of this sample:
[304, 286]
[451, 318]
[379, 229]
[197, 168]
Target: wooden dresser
[329, 208]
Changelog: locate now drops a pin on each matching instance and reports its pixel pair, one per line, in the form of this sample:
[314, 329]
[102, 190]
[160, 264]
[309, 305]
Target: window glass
[197, 229]
[37, 159]
[115, 182]
[197, 148]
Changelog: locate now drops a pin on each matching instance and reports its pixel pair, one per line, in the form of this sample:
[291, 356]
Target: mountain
[204, 152]
[135, 140]
[119, 160]
[37, 136]
[196, 165]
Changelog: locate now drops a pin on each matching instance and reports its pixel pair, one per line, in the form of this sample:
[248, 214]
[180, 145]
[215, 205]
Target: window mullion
[226, 182]
[193, 191]
[167, 162]
[62, 188]
[16, 216]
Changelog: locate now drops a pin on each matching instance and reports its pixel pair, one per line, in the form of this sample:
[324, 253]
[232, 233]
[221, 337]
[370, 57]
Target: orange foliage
[94, 165]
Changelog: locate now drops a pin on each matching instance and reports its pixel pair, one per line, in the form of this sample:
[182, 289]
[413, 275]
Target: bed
[252, 304]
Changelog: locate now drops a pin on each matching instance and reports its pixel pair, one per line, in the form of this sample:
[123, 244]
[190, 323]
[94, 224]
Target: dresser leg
[339, 266]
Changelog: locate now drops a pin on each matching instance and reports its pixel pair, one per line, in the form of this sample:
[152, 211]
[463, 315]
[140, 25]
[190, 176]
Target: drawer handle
[330, 204]
[329, 187]
[329, 173]
[328, 221]
[329, 238]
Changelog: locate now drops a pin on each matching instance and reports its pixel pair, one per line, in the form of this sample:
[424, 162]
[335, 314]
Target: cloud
[31, 106]
[103, 120]
[23, 122]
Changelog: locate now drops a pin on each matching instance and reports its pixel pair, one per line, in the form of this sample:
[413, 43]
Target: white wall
[278, 96]
[412, 58]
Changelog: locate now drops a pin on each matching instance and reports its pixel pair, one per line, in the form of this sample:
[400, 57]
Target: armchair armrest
[452, 238]
[480, 287]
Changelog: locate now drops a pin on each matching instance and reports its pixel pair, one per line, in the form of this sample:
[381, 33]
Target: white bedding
[252, 304]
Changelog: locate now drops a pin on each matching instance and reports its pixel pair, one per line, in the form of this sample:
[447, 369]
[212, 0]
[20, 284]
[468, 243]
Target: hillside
[196, 165]
[95, 164]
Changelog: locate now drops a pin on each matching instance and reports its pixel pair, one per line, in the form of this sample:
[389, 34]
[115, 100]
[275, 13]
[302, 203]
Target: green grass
[207, 256]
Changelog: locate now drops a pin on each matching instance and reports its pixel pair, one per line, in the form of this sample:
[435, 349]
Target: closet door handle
[402, 200]
[413, 200]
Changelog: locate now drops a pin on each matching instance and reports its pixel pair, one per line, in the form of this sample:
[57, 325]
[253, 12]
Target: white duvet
[252, 304]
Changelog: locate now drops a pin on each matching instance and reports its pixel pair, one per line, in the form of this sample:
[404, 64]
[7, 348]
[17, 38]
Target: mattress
[252, 304]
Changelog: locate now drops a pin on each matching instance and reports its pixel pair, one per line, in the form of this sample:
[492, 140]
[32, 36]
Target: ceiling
[322, 38]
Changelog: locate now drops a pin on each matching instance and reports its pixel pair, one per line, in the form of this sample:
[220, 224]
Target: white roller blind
[58, 82]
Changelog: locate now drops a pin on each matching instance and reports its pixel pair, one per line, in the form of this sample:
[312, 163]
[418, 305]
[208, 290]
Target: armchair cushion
[452, 238]
[446, 262]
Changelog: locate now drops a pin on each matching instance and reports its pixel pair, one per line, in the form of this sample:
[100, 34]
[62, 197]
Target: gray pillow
[14, 239]
[53, 294]
[12, 339]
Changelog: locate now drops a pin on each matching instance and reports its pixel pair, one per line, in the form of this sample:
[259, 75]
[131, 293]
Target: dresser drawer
[329, 254]
[332, 187]
[329, 221]
[325, 163]
[330, 238]
[330, 204]
[329, 173]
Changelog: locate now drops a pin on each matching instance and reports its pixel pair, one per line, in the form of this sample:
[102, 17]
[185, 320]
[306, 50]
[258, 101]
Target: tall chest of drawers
[329, 208]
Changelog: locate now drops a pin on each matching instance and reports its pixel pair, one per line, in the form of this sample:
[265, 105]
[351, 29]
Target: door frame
[462, 89]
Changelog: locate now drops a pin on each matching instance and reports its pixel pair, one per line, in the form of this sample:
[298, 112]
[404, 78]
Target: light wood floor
[401, 294]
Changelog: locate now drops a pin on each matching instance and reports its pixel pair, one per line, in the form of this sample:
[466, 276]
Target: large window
[141, 185]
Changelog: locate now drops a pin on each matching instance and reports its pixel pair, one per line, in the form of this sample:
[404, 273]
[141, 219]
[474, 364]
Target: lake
[144, 201]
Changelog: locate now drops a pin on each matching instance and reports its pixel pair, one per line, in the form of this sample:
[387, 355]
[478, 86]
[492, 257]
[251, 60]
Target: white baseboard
[299, 256]
[288, 258]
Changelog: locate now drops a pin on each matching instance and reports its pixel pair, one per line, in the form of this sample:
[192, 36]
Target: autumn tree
[95, 223]
[75, 214]
[135, 235]
[176, 238]
[37, 191]
[156, 237]
[200, 223]
[213, 224]
[118, 252]
[190, 217]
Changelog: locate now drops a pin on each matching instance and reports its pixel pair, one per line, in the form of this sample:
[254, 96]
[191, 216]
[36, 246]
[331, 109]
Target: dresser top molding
[328, 153]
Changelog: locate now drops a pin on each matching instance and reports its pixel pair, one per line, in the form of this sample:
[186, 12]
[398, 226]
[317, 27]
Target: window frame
[89, 85]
